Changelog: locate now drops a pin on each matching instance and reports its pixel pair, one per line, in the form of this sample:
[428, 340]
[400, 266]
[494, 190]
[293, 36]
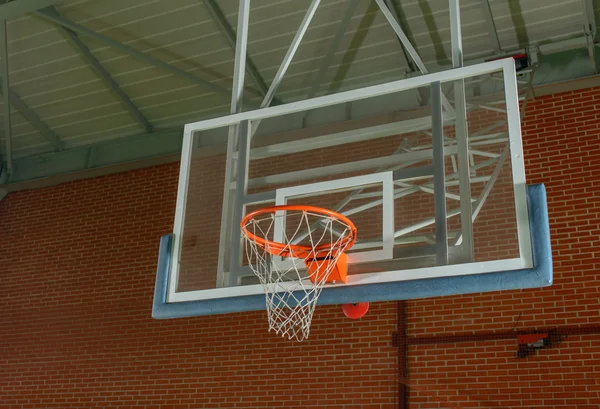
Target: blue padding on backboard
[538, 276]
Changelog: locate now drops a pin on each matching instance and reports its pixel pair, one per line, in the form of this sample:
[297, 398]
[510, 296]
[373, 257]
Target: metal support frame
[243, 162]
[589, 29]
[439, 177]
[6, 92]
[333, 46]
[393, 8]
[221, 21]
[462, 135]
[408, 46]
[78, 28]
[287, 59]
[237, 96]
[491, 25]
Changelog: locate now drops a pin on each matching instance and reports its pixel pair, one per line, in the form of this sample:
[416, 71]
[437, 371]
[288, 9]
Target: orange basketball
[355, 310]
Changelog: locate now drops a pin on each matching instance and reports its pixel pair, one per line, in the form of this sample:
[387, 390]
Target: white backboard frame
[525, 259]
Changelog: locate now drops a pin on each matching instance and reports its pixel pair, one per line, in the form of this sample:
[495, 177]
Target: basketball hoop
[294, 267]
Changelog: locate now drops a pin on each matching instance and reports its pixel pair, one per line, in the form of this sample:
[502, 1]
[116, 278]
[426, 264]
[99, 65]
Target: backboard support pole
[439, 175]
[462, 137]
[237, 95]
[241, 189]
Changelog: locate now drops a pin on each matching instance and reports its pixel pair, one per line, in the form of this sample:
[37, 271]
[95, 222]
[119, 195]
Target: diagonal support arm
[410, 49]
[219, 18]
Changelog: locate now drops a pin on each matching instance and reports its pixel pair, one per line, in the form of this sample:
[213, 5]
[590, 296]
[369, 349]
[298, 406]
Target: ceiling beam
[5, 86]
[289, 55]
[408, 46]
[17, 8]
[491, 25]
[398, 15]
[221, 21]
[333, 47]
[103, 74]
[35, 120]
[589, 29]
[78, 28]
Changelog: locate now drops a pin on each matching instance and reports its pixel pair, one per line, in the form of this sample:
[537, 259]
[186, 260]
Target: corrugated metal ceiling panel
[58, 84]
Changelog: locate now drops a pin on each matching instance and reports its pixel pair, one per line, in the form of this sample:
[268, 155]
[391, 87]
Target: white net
[291, 291]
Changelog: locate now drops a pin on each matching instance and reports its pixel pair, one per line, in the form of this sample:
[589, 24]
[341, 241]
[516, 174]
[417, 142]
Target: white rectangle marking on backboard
[386, 179]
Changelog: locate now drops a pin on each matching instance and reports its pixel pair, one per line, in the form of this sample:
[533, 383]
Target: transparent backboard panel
[200, 240]
[389, 133]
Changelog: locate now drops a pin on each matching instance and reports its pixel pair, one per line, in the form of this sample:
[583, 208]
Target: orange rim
[296, 250]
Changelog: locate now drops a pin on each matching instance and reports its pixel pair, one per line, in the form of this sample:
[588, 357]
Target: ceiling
[101, 80]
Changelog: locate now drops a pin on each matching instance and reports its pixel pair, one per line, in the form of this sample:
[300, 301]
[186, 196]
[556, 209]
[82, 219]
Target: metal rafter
[5, 87]
[589, 29]
[102, 73]
[287, 59]
[237, 93]
[18, 8]
[462, 134]
[78, 28]
[408, 46]
[393, 7]
[221, 21]
[35, 120]
[491, 25]
[333, 46]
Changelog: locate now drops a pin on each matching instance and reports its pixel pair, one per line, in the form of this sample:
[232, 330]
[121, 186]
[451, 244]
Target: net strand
[290, 296]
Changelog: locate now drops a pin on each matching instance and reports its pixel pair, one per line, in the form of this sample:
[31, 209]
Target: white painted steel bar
[6, 96]
[486, 190]
[451, 270]
[342, 168]
[287, 59]
[482, 153]
[462, 134]
[343, 137]
[439, 175]
[221, 21]
[349, 96]
[517, 161]
[490, 184]
[424, 223]
[407, 45]
[237, 94]
[243, 163]
[180, 207]
[402, 36]
[455, 33]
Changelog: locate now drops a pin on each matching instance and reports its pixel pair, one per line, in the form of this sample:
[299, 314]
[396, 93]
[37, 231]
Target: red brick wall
[561, 136]
[77, 274]
[77, 277]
